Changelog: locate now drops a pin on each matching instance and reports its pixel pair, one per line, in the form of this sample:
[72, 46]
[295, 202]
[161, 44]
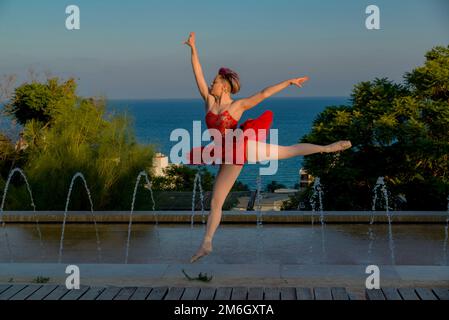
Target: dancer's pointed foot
[204, 250]
[338, 146]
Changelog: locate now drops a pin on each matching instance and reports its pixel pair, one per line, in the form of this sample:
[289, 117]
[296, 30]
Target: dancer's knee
[216, 203]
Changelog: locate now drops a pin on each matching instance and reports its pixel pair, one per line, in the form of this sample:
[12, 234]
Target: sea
[154, 121]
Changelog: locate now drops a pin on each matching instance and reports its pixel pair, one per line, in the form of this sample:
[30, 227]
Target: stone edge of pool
[228, 274]
[250, 217]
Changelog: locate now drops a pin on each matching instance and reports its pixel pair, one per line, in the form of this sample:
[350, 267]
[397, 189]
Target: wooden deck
[58, 292]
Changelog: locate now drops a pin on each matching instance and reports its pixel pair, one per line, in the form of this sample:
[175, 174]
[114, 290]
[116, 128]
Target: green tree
[67, 134]
[41, 101]
[399, 131]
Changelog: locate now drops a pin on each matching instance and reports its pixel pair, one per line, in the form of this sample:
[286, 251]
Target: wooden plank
[109, 293]
[374, 294]
[323, 293]
[239, 293]
[92, 293]
[339, 294]
[425, 294]
[57, 294]
[191, 293]
[75, 294]
[11, 291]
[44, 291]
[288, 293]
[441, 293]
[4, 287]
[223, 293]
[272, 294]
[353, 296]
[207, 294]
[157, 293]
[125, 293]
[174, 293]
[141, 293]
[26, 292]
[408, 294]
[391, 294]
[304, 294]
[255, 293]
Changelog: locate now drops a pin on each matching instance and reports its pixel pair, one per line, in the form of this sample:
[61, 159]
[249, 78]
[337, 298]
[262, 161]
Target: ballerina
[223, 114]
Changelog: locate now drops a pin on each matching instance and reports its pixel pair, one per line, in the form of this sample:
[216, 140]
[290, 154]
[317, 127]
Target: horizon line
[199, 98]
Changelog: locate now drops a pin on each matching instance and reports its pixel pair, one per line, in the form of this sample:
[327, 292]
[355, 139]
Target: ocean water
[154, 120]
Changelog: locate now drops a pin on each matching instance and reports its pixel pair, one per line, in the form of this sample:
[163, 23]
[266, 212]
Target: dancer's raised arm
[250, 102]
[197, 70]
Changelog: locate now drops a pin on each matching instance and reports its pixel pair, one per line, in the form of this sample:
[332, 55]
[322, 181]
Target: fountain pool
[342, 244]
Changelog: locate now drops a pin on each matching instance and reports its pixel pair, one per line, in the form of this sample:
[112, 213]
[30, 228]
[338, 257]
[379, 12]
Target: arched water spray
[380, 185]
[140, 175]
[259, 220]
[317, 192]
[8, 181]
[446, 234]
[197, 182]
[258, 201]
[61, 245]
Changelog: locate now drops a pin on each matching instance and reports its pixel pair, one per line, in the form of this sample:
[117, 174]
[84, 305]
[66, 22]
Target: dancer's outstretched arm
[197, 70]
[250, 102]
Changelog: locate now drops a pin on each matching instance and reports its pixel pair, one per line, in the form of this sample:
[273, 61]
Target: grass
[201, 277]
[41, 279]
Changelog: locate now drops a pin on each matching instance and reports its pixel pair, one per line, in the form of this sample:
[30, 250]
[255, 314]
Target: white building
[160, 162]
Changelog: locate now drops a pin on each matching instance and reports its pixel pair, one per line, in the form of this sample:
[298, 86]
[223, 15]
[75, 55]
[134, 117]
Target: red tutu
[237, 144]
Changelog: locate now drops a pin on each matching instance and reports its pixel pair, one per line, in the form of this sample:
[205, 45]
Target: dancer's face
[218, 87]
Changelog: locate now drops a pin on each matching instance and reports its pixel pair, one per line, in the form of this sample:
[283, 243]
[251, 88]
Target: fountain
[11, 174]
[317, 192]
[380, 184]
[259, 222]
[61, 245]
[196, 182]
[259, 197]
[148, 185]
[446, 234]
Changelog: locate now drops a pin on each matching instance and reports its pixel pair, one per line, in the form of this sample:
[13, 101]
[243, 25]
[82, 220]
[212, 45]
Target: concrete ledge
[353, 276]
[294, 217]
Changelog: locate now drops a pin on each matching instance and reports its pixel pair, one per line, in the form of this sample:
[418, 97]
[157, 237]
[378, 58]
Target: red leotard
[224, 121]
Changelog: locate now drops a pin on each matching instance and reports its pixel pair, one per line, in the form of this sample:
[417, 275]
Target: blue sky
[134, 49]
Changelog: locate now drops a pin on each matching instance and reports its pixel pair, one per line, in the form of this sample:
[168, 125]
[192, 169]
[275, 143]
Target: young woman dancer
[222, 112]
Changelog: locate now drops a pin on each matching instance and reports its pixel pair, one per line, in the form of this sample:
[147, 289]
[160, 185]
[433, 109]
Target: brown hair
[232, 78]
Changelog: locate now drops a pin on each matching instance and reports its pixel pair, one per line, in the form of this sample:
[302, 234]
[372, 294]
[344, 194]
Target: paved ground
[353, 277]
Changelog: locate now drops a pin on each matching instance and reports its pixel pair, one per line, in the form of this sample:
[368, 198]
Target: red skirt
[205, 155]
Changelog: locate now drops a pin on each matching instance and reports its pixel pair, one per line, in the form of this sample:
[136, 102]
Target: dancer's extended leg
[260, 151]
[224, 181]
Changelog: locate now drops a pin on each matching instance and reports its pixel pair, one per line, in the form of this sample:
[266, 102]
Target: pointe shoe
[205, 250]
[338, 146]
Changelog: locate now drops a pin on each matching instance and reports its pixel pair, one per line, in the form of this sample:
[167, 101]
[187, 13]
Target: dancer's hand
[299, 81]
[191, 41]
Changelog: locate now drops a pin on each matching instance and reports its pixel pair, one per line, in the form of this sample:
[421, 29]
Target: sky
[135, 50]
